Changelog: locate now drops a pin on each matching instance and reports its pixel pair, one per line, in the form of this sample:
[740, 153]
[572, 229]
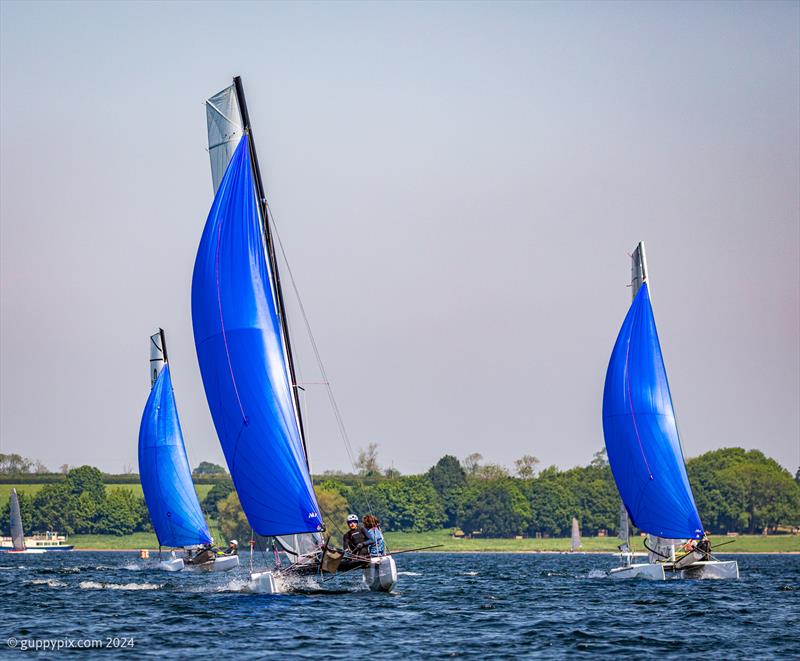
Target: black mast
[163, 343]
[262, 201]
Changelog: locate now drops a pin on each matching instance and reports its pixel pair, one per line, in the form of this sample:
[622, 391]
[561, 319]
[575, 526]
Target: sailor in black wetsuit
[355, 540]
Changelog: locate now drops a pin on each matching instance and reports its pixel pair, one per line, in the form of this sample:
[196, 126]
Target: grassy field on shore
[410, 540]
[403, 540]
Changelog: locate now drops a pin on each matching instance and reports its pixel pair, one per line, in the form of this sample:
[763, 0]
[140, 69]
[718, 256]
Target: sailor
[205, 554]
[375, 541]
[355, 539]
[704, 546]
[233, 548]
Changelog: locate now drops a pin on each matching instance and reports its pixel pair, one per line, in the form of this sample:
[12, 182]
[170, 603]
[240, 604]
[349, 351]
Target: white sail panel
[156, 356]
[224, 131]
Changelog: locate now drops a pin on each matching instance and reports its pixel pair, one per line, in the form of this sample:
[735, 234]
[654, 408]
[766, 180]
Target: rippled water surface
[469, 605]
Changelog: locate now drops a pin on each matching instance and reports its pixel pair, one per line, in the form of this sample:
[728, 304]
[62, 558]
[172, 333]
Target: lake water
[461, 605]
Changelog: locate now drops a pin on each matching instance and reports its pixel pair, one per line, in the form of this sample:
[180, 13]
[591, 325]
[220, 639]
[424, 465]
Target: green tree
[496, 509]
[53, 506]
[207, 468]
[84, 513]
[449, 479]
[407, 503]
[334, 506]
[120, 513]
[553, 504]
[525, 466]
[218, 492]
[12, 464]
[233, 523]
[88, 479]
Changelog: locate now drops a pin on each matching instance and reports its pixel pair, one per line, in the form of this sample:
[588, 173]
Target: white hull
[220, 563]
[381, 574]
[26, 551]
[645, 571]
[173, 564]
[262, 583]
[704, 569]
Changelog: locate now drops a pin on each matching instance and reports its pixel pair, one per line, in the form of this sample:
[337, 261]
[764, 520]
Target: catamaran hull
[380, 574]
[644, 571]
[262, 583]
[704, 569]
[173, 564]
[707, 569]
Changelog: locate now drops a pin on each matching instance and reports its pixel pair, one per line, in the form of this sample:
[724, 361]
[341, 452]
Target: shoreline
[528, 552]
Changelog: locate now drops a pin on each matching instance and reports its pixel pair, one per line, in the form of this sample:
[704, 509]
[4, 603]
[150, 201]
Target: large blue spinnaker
[164, 471]
[641, 433]
[242, 359]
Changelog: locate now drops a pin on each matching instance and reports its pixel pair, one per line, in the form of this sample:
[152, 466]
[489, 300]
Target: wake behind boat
[645, 455]
[167, 479]
[245, 354]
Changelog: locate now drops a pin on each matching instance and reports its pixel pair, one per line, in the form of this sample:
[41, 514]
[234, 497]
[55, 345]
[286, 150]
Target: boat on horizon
[645, 454]
[166, 478]
[245, 354]
[40, 543]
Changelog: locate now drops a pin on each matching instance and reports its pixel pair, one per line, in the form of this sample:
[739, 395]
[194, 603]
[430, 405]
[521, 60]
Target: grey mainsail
[576, 534]
[157, 355]
[224, 131]
[624, 532]
[17, 535]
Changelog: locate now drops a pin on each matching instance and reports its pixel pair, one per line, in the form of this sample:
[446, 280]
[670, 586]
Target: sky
[457, 186]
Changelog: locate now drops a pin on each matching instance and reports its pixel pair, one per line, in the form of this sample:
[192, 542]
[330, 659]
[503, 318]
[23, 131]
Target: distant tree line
[81, 504]
[735, 490]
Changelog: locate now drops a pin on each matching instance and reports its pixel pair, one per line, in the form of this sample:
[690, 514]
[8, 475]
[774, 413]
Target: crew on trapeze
[702, 546]
[367, 538]
[354, 541]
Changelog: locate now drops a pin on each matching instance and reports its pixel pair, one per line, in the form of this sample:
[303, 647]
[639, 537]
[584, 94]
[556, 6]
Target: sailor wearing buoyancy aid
[355, 539]
[375, 541]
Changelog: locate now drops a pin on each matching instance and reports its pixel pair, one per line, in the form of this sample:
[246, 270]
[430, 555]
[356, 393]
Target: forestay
[641, 433]
[164, 471]
[224, 131]
[243, 363]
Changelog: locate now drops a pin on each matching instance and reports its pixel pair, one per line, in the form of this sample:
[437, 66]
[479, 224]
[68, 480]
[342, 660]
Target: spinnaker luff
[163, 465]
[641, 434]
[242, 354]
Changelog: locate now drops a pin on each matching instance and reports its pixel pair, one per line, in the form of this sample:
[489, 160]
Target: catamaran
[17, 535]
[644, 451]
[245, 355]
[166, 477]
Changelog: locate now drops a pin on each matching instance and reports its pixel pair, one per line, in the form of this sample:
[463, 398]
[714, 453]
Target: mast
[638, 268]
[262, 202]
[638, 278]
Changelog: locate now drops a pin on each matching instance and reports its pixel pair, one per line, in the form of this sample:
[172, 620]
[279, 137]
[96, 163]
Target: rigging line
[334, 405]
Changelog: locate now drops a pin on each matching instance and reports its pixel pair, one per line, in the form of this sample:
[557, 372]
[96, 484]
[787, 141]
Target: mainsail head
[224, 131]
[164, 468]
[241, 351]
[17, 534]
[641, 433]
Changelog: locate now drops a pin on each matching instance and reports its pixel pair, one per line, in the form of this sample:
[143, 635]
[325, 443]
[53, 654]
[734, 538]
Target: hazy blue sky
[457, 185]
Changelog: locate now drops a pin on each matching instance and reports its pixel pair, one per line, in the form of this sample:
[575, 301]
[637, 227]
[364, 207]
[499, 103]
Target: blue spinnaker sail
[242, 359]
[164, 471]
[641, 433]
